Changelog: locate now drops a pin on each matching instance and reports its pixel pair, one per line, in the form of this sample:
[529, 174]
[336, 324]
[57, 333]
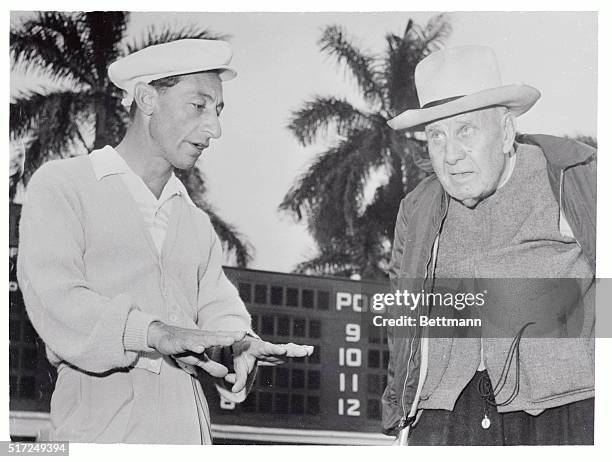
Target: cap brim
[517, 98]
[226, 73]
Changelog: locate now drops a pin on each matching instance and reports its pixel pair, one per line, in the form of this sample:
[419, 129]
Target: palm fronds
[353, 233]
[320, 114]
[55, 42]
[74, 49]
[155, 35]
[335, 43]
[33, 113]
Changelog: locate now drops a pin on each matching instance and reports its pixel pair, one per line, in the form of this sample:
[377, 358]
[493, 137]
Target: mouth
[461, 175]
[199, 146]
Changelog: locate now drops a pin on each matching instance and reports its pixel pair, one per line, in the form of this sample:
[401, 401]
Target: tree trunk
[396, 191]
[102, 102]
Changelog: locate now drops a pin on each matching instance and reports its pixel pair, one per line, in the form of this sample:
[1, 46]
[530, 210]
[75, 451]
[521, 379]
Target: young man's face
[186, 117]
[467, 155]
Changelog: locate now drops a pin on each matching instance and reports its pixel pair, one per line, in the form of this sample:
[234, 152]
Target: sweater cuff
[136, 331]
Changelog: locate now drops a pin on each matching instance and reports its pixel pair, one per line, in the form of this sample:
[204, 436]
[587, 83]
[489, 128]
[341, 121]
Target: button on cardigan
[93, 280]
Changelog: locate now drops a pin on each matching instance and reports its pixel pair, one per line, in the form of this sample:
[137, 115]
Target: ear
[509, 131]
[145, 97]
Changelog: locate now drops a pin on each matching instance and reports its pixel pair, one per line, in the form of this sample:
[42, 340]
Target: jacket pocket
[556, 367]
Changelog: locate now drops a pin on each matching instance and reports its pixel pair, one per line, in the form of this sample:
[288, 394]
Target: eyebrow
[432, 127]
[466, 121]
[201, 94]
[209, 98]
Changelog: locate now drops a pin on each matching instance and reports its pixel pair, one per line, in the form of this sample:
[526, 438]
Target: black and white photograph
[373, 228]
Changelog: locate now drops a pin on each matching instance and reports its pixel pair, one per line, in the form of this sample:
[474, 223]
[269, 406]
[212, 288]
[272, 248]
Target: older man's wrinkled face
[467, 153]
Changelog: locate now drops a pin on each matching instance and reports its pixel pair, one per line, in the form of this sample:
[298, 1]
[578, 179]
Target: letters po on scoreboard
[350, 355]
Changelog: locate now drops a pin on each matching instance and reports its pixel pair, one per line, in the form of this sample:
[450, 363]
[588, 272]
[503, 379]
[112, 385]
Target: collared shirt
[155, 211]
[93, 282]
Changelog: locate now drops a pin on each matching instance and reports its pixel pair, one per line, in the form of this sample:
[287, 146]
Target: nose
[454, 152]
[212, 125]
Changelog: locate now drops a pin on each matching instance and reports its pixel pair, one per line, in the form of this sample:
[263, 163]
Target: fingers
[297, 351]
[177, 340]
[290, 350]
[213, 368]
[272, 362]
[201, 340]
[236, 336]
[198, 343]
[194, 345]
[273, 349]
[241, 375]
[217, 340]
[243, 364]
[203, 362]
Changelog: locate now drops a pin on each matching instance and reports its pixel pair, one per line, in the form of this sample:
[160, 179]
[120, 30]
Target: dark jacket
[572, 174]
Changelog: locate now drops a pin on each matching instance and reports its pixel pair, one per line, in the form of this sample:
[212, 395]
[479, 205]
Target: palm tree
[353, 234]
[83, 111]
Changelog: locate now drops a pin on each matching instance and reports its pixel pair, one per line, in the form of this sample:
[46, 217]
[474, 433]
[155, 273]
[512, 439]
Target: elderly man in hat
[121, 273]
[495, 208]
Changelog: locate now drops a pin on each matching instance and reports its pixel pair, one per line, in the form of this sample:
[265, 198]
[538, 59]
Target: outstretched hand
[250, 349]
[188, 345]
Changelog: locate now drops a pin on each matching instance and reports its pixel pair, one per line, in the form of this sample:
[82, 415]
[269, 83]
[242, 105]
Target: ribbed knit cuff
[137, 329]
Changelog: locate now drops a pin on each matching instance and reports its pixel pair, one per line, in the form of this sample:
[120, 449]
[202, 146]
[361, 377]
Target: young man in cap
[495, 208]
[121, 273]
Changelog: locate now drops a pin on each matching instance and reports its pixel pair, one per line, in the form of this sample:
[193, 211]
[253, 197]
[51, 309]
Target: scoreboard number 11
[349, 357]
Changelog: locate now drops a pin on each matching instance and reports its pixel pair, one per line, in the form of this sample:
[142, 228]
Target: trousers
[570, 424]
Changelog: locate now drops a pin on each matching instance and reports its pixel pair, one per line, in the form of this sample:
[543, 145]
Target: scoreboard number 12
[352, 407]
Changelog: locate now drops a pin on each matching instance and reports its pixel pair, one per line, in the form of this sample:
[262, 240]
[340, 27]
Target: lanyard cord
[485, 388]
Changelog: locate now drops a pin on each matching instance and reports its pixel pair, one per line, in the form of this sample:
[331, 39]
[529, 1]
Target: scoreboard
[331, 397]
[339, 387]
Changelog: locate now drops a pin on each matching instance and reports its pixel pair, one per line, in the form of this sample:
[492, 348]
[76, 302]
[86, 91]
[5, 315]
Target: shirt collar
[512, 163]
[177, 187]
[107, 161]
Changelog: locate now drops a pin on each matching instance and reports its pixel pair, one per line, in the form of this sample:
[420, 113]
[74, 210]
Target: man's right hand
[189, 344]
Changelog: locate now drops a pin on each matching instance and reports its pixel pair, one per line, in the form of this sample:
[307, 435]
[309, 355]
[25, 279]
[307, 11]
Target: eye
[467, 131]
[198, 106]
[435, 136]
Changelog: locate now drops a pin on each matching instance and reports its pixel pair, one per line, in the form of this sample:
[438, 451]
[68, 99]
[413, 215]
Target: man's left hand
[250, 349]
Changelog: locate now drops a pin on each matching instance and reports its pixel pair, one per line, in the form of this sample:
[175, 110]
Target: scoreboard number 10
[349, 357]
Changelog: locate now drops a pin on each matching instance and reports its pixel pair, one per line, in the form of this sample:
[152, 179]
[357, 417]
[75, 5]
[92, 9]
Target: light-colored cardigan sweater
[93, 281]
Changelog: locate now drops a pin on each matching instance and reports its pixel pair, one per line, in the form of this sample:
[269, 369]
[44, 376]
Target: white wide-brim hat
[168, 59]
[462, 79]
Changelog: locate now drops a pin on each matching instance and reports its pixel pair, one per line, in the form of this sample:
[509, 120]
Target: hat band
[439, 102]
